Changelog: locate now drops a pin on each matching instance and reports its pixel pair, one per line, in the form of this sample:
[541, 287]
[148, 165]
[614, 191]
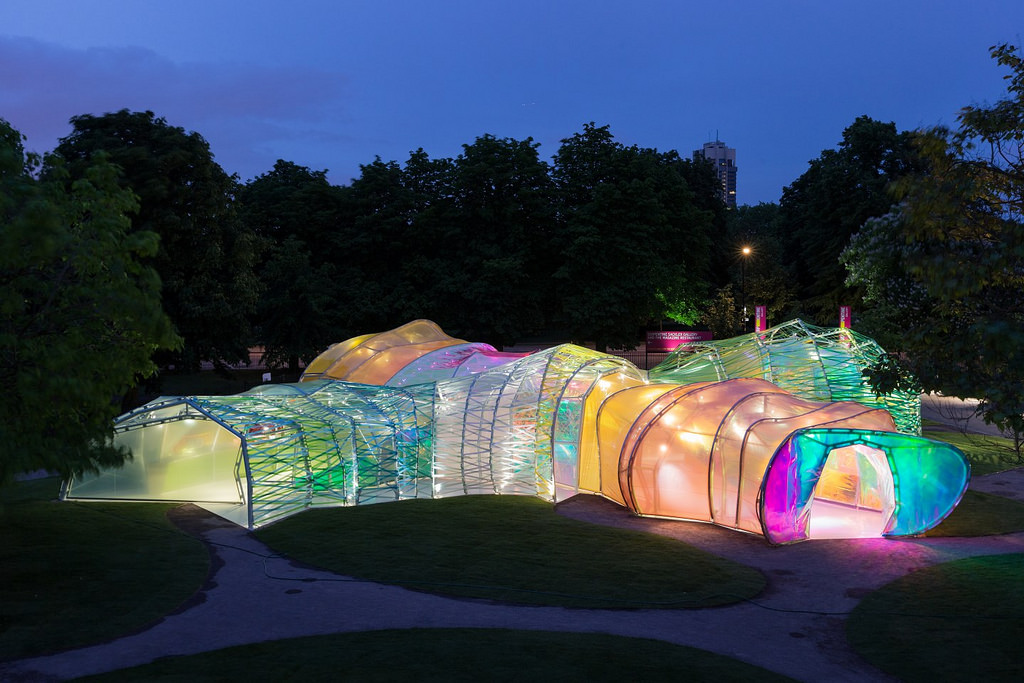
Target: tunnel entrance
[854, 497]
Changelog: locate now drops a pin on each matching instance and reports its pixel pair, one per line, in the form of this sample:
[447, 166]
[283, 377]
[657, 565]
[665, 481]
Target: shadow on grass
[956, 621]
[987, 454]
[75, 574]
[982, 514]
[452, 655]
[512, 549]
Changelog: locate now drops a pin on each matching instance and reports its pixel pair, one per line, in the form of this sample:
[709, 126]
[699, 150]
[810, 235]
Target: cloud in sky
[248, 113]
[331, 84]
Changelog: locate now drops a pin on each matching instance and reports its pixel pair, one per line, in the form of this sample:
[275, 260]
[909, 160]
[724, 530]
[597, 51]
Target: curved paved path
[795, 627]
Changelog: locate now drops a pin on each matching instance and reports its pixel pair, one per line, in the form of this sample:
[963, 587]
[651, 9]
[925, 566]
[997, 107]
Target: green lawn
[982, 514]
[74, 574]
[513, 549]
[987, 454]
[959, 621]
[451, 655]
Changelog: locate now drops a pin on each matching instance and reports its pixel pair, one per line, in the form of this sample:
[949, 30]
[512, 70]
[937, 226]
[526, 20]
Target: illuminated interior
[854, 498]
[413, 413]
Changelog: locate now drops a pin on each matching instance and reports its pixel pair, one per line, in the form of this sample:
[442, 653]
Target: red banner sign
[659, 341]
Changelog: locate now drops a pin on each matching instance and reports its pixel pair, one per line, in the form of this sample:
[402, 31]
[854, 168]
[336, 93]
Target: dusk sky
[331, 84]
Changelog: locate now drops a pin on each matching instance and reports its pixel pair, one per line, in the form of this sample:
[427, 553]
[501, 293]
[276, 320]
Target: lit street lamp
[745, 253]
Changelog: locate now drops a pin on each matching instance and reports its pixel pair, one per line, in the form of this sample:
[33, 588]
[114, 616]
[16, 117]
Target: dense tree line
[493, 244]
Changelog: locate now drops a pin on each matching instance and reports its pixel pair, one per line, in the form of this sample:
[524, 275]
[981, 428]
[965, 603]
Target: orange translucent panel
[701, 451]
[380, 366]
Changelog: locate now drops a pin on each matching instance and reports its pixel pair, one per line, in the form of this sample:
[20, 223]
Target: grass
[451, 655]
[982, 514]
[75, 574]
[987, 454]
[513, 549]
[960, 620]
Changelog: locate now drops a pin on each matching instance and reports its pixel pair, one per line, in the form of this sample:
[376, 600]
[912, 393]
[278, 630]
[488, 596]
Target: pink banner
[761, 318]
[659, 341]
[844, 317]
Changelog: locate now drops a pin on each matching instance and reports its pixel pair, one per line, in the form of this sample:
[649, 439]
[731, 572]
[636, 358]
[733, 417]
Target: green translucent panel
[928, 479]
[822, 364]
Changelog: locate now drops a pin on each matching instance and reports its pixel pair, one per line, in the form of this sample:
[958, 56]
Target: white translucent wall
[192, 459]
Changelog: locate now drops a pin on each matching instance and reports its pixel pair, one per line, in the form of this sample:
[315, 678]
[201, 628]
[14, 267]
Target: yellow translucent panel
[326, 359]
[416, 332]
[376, 358]
[381, 366]
[590, 457]
[615, 418]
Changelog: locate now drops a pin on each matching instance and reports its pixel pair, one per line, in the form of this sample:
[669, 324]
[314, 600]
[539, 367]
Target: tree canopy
[205, 257]
[822, 208]
[293, 212]
[944, 273]
[80, 313]
[635, 243]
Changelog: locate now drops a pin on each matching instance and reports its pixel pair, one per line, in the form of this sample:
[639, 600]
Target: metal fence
[641, 358]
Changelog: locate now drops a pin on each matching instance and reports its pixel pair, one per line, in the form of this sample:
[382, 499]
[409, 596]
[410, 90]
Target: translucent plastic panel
[591, 471]
[764, 437]
[191, 460]
[342, 360]
[795, 365]
[822, 364]
[322, 363]
[615, 418]
[384, 363]
[451, 361]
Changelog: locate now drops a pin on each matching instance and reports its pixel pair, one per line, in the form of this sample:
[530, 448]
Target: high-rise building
[724, 160]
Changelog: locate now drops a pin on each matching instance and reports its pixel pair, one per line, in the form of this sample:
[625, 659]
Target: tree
[500, 217]
[764, 274]
[294, 212]
[722, 316]
[633, 241]
[945, 272]
[80, 313]
[297, 315]
[828, 203]
[206, 256]
[394, 243]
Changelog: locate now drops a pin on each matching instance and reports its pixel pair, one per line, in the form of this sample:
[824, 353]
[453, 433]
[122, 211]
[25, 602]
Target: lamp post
[745, 252]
